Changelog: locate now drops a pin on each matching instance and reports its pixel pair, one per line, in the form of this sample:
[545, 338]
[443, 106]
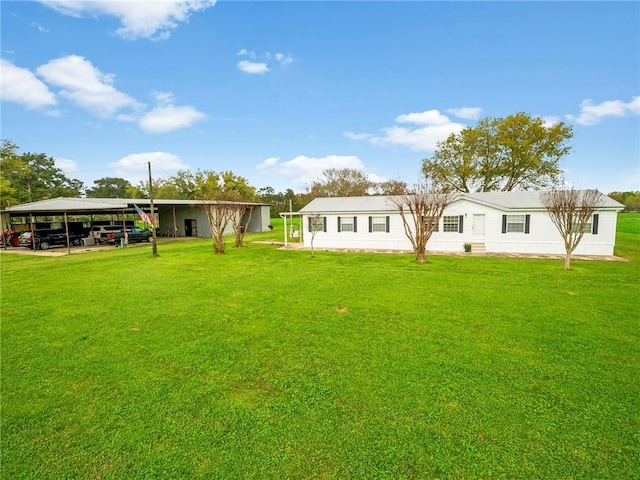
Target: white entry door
[478, 225]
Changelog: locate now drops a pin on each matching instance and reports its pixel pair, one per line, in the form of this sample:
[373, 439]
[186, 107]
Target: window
[450, 223]
[379, 224]
[516, 223]
[432, 221]
[347, 224]
[592, 225]
[317, 224]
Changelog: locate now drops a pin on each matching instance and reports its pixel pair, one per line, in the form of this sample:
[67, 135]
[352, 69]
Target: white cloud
[260, 64]
[549, 122]
[418, 139]
[305, 169]
[246, 53]
[66, 165]
[430, 117]
[357, 136]
[21, 86]
[591, 114]
[39, 27]
[283, 59]
[85, 85]
[433, 128]
[253, 68]
[139, 19]
[163, 98]
[134, 167]
[268, 163]
[167, 118]
[468, 113]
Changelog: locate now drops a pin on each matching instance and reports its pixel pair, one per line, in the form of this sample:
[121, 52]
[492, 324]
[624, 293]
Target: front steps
[477, 247]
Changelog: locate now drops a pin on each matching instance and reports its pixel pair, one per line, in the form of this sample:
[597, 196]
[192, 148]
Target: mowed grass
[264, 363]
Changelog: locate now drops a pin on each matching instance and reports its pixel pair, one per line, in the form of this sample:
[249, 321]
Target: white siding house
[494, 222]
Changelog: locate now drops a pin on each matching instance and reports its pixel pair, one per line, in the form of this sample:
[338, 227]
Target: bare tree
[218, 215]
[420, 212]
[316, 224]
[571, 211]
[239, 227]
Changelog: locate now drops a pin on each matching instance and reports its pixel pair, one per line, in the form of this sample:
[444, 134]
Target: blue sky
[279, 91]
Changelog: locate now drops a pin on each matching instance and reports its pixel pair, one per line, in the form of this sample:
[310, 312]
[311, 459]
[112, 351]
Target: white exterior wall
[543, 237]
[362, 239]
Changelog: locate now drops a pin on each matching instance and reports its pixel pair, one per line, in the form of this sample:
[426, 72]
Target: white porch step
[477, 247]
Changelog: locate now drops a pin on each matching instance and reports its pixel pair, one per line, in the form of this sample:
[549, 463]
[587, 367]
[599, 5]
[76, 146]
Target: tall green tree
[109, 187]
[341, 182]
[630, 200]
[517, 152]
[30, 177]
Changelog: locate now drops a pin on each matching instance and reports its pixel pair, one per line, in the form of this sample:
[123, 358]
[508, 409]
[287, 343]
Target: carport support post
[33, 236]
[285, 230]
[175, 226]
[153, 227]
[66, 230]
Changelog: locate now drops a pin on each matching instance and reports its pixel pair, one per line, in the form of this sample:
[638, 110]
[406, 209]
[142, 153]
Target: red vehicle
[11, 238]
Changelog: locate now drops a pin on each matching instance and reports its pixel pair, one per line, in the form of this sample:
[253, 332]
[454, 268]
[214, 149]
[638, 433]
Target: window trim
[386, 223]
[459, 223]
[324, 224]
[355, 225]
[526, 224]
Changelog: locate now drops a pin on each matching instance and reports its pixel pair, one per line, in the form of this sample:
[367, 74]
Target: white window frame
[320, 224]
[516, 223]
[378, 224]
[450, 223]
[348, 223]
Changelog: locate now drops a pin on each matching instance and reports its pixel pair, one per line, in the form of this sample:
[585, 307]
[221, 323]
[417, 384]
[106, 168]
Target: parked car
[134, 235]
[44, 239]
[11, 238]
[100, 232]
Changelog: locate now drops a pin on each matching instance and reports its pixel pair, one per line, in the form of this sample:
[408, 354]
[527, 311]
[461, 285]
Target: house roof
[508, 201]
[68, 204]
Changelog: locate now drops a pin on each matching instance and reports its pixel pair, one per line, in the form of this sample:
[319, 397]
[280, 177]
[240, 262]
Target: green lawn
[263, 363]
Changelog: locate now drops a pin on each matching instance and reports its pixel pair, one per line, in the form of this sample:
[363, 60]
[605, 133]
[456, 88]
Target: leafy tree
[109, 187]
[280, 201]
[630, 200]
[392, 187]
[30, 177]
[235, 187]
[9, 163]
[518, 152]
[233, 192]
[570, 211]
[341, 182]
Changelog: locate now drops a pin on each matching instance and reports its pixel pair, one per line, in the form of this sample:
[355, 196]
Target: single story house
[493, 222]
[181, 218]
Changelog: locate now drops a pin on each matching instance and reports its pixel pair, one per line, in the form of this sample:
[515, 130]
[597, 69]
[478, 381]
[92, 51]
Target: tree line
[517, 152]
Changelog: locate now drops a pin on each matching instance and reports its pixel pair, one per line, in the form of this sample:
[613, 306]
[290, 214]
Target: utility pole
[153, 227]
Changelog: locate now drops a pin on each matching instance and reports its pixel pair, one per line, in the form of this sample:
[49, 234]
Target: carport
[172, 218]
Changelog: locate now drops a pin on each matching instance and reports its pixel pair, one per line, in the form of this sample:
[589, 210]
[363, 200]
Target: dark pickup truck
[44, 239]
[133, 235]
